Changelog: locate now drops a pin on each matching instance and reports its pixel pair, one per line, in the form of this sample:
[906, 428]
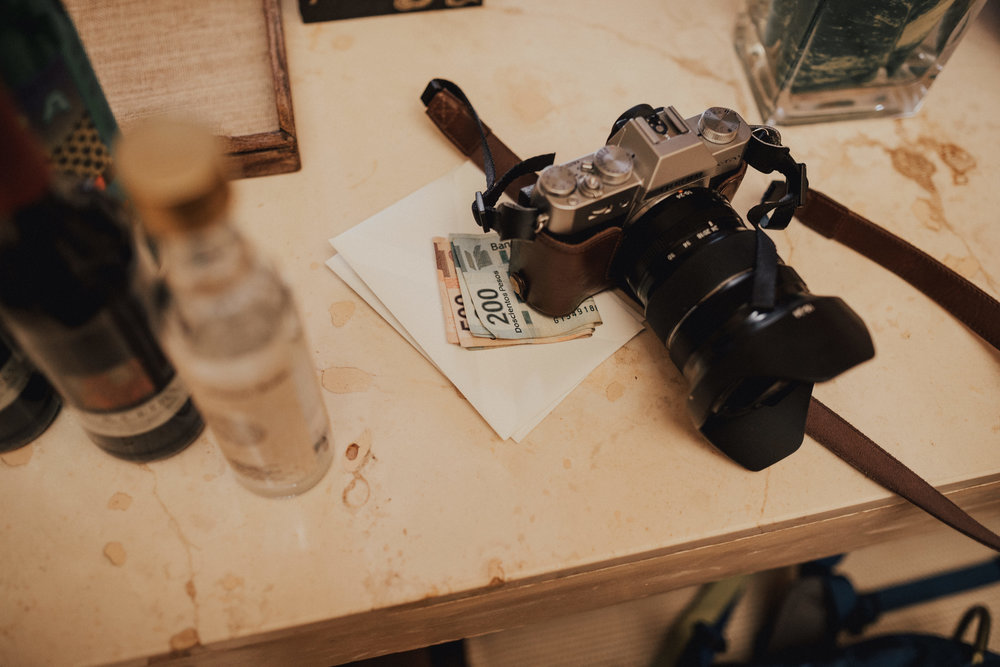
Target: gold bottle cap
[174, 172]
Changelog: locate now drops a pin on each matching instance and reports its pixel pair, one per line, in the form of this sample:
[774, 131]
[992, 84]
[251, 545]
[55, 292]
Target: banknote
[458, 328]
[481, 266]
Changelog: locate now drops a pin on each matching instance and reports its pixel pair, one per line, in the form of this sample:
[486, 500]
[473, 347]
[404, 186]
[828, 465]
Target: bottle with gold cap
[229, 322]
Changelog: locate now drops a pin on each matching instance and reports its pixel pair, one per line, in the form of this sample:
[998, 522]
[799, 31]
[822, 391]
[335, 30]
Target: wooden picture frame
[128, 42]
[275, 152]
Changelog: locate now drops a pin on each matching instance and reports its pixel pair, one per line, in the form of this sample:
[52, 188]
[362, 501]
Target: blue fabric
[845, 609]
[906, 650]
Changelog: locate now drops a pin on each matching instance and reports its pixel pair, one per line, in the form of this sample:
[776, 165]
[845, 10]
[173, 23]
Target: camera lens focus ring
[712, 268]
[658, 242]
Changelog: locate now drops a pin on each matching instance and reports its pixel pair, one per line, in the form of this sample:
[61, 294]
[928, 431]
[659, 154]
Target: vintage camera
[650, 212]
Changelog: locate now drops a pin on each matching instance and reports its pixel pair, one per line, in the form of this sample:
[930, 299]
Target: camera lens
[690, 261]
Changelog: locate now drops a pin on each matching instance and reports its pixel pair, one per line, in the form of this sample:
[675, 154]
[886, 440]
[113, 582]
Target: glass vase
[820, 60]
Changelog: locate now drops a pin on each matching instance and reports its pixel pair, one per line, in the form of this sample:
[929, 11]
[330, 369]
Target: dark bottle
[28, 403]
[71, 294]
[45, 67]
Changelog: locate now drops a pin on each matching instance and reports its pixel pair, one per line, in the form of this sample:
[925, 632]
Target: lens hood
[752, 379]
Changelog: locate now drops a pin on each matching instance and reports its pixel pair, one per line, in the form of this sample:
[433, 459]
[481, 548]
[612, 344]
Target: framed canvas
[221, 62]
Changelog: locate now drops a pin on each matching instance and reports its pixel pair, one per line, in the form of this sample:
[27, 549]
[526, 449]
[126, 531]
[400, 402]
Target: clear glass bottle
[229, 322]
[819, 60]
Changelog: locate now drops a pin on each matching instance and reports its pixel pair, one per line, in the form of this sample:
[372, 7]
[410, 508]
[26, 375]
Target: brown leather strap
[969, 304]
[454, 120]
[861, 452]
[963, 299]
[978, 310]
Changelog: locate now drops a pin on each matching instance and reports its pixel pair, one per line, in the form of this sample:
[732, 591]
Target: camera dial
[719, 125]
[557, 180]
[613, 163]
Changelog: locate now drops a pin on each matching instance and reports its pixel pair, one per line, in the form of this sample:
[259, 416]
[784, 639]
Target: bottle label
[142, 418]
[127, 384]
[14, 376]
[273, 429]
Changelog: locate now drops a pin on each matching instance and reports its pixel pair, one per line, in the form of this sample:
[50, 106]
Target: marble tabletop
[428, 527]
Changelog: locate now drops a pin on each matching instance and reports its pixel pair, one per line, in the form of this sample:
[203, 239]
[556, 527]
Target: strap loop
[509, 221]
[765, 153]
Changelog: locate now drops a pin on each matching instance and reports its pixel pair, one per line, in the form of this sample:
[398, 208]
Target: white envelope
[389, 261]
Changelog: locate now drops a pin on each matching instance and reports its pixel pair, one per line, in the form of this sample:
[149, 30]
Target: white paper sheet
[389, 261]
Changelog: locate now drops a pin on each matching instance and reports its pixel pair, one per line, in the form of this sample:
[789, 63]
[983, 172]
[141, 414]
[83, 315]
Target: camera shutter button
[613, 163]
[719, 125]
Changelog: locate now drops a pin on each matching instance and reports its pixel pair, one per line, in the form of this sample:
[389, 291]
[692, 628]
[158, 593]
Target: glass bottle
[46, 69]
[229, 322]
[819, 60]
[28, 404]
[72, 296]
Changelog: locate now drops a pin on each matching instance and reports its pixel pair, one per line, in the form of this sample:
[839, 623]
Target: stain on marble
[231, 582]
[494, 570]
[190, 589]
[314, 34]
[567, 463]
[342, 42]
[115, 552]
[357, 454]
[627, 356]
[359, 181]
[702, 69]
[966, 266]
[202, 522]
[765, 492]
[614, 391]
[346, 380]
[120, 501]
[185, 542]
[595, 454]
[959, 160]
[526, 95]
[341, 312]
[921, 169]
[18, 457]
[930, 213]
[914, 166]
[357, 492]
[241, 614]
[185, 639]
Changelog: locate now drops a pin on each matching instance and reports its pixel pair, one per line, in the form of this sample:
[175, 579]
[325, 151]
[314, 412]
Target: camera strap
[455, 117]
[765, 153]
[971, 305]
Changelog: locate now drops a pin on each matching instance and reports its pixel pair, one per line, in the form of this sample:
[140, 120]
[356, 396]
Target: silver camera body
[647, 158]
